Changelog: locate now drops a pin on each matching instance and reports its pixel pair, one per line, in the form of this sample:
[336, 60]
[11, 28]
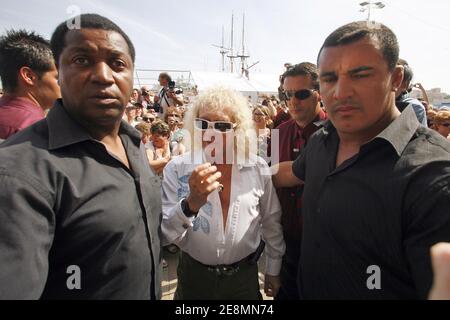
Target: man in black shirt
[80, 209]
[377, 184]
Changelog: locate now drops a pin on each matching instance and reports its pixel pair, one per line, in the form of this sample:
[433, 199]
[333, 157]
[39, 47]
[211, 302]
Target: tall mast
[232, 33]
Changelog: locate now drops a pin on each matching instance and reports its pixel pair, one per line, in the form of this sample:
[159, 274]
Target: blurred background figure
[135, 96]
[29, 78]
[442, 123]
[403, 98]
[263, 124]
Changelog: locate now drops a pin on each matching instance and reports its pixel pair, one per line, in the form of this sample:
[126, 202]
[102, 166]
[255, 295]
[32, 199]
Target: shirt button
[185, 225]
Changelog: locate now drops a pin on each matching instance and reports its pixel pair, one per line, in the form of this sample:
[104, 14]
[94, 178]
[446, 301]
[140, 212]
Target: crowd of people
[340, 172]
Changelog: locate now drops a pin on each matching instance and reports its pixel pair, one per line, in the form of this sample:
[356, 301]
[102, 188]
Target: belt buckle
[222, 270]
[229, 271]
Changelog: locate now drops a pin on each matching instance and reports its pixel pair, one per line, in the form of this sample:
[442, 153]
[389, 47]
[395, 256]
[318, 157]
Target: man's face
[96, 73]
[356, 86]
[301, 110]
[163, 81]
[47, 88]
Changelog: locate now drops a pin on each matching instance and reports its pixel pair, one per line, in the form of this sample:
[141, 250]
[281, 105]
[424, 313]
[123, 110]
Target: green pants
[197, 282]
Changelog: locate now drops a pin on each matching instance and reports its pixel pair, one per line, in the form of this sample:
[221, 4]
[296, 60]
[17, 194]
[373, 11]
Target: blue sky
[171, 34]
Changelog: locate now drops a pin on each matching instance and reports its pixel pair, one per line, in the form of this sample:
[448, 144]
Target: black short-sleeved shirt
[66, 201]
[384, 207]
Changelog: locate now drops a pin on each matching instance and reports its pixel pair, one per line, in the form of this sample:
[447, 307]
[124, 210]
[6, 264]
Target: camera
[171, 84]
[179, 91]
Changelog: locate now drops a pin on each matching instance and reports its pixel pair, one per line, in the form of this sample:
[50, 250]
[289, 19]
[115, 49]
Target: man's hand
[440, 259]
[283, 176]
[272, 285]
[202, 182]
[171, 94]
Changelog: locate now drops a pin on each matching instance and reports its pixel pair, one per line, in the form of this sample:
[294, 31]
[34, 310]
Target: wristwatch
[186, 210]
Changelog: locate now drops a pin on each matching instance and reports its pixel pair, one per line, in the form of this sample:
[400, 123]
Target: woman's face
[159, 141]
[258, 117]
[443, 128]
[171, 119]
[135, 95]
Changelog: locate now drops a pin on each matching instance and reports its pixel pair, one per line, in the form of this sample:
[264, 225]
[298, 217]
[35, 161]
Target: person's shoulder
[33, 137]
[414, 102]
[430, 143]
[426, 157]
[26, 149]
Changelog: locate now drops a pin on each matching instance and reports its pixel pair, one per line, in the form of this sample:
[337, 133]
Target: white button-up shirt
[254, 212]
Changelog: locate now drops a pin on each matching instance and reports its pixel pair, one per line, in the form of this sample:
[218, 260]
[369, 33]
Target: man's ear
[27, 75]
[397, 78]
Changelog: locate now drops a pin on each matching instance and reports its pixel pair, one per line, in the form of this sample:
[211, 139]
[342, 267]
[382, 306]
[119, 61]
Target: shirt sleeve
[174, 223]
[428, 222]
[272, 231]
[299, 165]
[27, 225]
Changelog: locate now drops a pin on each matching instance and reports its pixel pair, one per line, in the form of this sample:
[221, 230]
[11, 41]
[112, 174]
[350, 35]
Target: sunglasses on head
[221, 126]
[300, 94]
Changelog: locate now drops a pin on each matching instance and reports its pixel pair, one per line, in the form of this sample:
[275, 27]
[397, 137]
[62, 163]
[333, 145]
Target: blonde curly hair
[232, 103]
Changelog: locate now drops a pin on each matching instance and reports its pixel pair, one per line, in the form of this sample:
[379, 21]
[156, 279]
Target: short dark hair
[87, 21]
[355, 31]
[165, 75]
[407, 73]
[20, 48]
[303, 69]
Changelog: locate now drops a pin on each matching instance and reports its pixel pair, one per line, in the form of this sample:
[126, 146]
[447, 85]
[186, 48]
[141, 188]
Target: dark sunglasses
[445, 124]
[221, 126]
[300, 94]
[151, 119]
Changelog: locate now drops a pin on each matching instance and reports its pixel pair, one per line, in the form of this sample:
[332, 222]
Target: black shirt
[386, 206]
[65, 200]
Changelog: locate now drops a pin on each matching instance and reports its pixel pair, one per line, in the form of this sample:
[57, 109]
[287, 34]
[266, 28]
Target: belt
[226, 269]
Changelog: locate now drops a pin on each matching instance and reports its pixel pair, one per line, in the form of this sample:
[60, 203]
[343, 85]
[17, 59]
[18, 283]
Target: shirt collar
[398, 133]
[401, 130]
[65, 131]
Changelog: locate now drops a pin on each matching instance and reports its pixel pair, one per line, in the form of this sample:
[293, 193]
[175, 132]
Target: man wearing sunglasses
[219, 203]
[377, 183]
[300, 86]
